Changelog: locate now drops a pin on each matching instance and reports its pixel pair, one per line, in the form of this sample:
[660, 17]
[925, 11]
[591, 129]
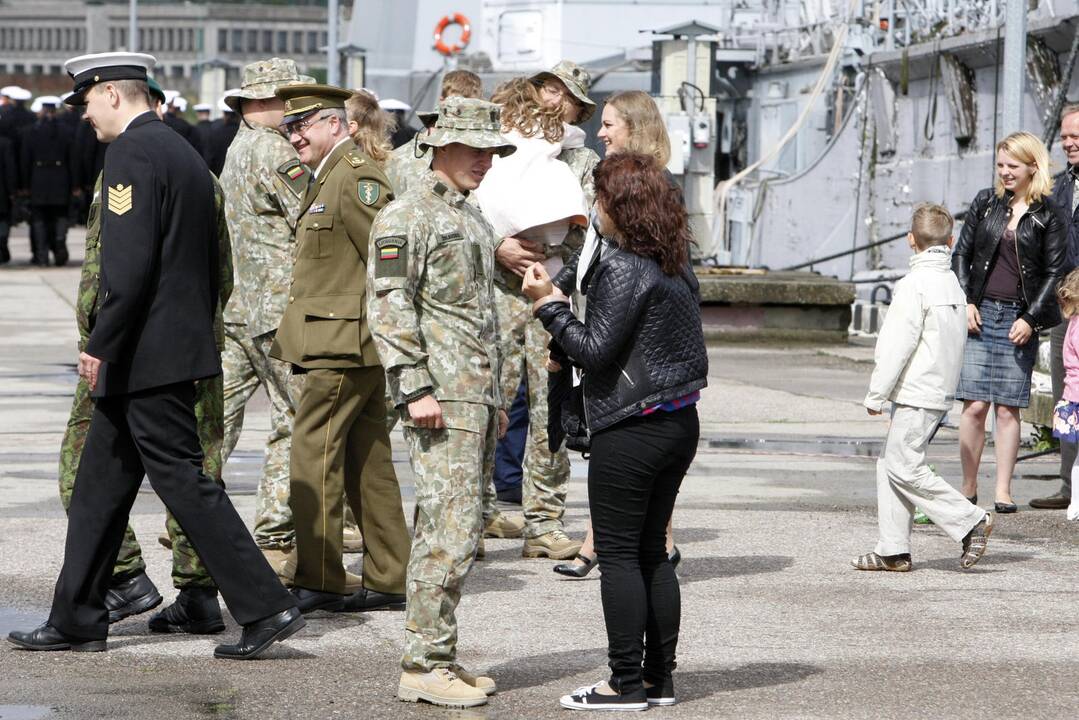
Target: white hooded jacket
[919, 350]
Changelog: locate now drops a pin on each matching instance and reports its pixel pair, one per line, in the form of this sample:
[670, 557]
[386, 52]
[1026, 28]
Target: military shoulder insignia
[295, 175]
[369, 191]
[120, 199]
[354, 160]
[391, 256]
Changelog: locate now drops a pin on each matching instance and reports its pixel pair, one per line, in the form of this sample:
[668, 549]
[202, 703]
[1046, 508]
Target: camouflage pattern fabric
[188, 570]
[448, 465]
[545, 479]
[264, 184]
[404, 169]
[433, 320]
[247, 366]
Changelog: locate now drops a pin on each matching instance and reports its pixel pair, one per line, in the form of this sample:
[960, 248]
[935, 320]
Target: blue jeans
[510, 454]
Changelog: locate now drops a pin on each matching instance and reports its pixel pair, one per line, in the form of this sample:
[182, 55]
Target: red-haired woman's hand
[537, 283]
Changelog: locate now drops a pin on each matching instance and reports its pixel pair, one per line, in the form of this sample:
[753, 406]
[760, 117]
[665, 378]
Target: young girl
[532, 194]
[1066, 413]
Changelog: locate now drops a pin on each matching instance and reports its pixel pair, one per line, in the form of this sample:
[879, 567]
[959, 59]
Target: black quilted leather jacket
[641, 343]
[1042, 237]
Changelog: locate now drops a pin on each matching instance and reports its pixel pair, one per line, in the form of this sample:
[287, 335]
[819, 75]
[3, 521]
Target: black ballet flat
[973, 499]
[577, 570]
[1004, 508]
[675, 556]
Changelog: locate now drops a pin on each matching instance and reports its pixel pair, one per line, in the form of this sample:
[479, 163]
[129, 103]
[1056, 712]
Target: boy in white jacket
[918, 357]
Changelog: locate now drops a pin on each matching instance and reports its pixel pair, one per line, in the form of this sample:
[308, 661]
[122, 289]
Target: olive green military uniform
[340, 438]
[187, 569]
[435, 325]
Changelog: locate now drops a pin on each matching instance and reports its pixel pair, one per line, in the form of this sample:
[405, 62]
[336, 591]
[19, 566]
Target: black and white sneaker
[588, 698]
[662, 693]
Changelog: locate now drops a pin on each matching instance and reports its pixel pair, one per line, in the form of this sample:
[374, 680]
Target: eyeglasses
[300, 127]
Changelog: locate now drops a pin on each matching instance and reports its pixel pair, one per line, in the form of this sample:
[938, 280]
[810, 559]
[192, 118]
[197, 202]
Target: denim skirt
[995, 370]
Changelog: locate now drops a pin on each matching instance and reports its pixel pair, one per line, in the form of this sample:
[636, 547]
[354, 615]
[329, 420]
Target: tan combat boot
[504, 526]
[441, 686]
[555, 545]
[480, 682]
[283, 562]
[288, 572]
[353, 540]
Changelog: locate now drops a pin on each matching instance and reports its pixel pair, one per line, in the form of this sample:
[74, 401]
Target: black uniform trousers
[153, 433]
[48, 232]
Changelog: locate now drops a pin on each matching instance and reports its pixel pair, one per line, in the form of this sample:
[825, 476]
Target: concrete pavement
[775, 623]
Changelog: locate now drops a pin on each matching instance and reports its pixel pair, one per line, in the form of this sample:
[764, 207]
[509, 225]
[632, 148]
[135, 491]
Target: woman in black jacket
[642, 353]
[1011, 255]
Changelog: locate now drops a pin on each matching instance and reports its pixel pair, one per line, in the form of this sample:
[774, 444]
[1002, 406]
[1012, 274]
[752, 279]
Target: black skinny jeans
[634, 474]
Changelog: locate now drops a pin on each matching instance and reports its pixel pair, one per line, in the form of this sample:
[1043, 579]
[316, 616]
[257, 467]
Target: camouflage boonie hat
[577, 80]
[469, 121]
[263, 78]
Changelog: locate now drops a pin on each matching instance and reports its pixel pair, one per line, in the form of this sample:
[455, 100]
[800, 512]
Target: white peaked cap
[16, 93]
[394, 104]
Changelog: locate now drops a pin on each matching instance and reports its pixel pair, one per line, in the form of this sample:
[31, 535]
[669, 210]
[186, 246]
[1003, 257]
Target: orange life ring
[466, 34]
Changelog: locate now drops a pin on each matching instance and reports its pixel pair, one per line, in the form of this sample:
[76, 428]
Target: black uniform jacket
[159, 263]
[46, 162]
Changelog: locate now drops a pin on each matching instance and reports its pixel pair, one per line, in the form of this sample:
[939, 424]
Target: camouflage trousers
[450, 466]
[524, 355]
[247, 365]
[187, 568]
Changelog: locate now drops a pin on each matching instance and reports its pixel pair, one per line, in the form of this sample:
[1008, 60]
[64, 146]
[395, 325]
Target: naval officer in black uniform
[153, 337]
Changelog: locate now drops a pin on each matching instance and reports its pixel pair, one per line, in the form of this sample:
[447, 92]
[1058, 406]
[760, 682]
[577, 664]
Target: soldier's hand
[89, 366]
[537, 283]
[426, 413]
[516, 255]
[503, 423]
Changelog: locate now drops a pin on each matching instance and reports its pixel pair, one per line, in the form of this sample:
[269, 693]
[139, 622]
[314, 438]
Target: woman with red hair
[643, 362]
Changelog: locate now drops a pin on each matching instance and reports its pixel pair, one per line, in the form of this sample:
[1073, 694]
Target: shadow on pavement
[699, 684]
[541, 669]
[697, 569]
[988, 560]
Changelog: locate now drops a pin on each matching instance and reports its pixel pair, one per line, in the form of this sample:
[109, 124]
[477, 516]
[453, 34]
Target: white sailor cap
[44, 101]
[390, 104]
[203, 107]
[224, 106]
[88, 70]
[16, 93]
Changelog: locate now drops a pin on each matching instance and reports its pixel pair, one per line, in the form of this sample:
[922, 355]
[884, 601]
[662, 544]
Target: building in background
[37, 36]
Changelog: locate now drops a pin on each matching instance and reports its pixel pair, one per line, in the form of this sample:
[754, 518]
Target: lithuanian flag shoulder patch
[390, 253]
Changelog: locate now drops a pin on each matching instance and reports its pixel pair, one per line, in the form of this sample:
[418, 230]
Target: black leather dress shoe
[196, 611]
[259, 635]
[311, 600]
[130, 597]
[46, 637]
[364, 600]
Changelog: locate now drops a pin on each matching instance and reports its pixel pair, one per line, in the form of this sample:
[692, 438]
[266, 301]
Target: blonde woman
[369, 126]
[630, 123]
[1011, 255]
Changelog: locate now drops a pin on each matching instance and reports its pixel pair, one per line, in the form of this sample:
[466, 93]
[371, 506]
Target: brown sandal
[874, 562]
[975, 542]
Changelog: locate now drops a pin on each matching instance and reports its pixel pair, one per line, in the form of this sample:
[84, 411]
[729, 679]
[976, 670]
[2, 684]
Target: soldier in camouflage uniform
[431, 310]
[264, 183]
[524, 341]
[132, 592]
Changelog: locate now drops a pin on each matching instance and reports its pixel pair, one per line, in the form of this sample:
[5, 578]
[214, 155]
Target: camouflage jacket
[432, 312]
[90, 279]
[404, 169]
[264, 184]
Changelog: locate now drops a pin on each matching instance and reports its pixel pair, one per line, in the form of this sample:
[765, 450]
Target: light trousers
[905, 480]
